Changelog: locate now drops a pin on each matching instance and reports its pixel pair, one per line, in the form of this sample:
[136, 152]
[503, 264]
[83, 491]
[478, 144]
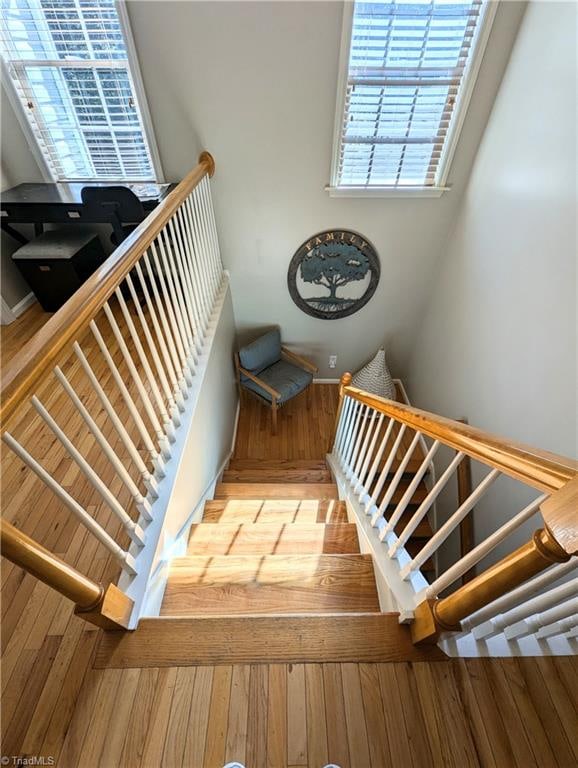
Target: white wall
[255, 83]
[17, 165]
[497, 342]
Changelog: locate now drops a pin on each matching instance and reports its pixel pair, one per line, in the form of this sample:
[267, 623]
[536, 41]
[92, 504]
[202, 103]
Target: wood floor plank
[473, 711]
[337, 744]
[277, 717]
[316, 723]
[464, 752]
[137, 727]
[397, 729]
[562, 699]
[119, 723]
[178, 722]
[416, 730]
[236, 744]
[257, 716]
[296, 715]
[159, 717]
[374, 716]
[102, 714]
[218, 717]
[355, 716]
[196, 735]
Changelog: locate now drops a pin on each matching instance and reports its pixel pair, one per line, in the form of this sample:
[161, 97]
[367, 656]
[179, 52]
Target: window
[69, 64]
[405, 83]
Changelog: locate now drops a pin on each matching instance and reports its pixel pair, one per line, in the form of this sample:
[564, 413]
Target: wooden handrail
[39, 355]
[23, 551]
[106, 608]
[539, 469]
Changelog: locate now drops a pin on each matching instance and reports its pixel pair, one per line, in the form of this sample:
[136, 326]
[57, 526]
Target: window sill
[386, 191]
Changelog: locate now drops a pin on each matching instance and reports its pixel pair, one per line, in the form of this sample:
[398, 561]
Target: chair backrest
[261, 353]
[120, 202]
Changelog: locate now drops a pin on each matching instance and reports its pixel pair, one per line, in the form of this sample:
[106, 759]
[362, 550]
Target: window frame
[458, 118]
[139, 92]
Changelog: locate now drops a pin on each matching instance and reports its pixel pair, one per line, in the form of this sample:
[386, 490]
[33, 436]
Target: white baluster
[346, 427]
[140, 502]
[423, 508]
[478, 553]
[201, 271]
[477, 621]
[340, 424]
[186, 365]
[147, 405]
[411, 489]
[174, 405]
[181, 317]
[512, 622]
[166, 342]
[133, 529]
[441, 535]
[372, 420]
[178, 224]
[180, 275]
[156, 457]
[201, 235]
[385, 471]
[343, 422]
[351, 434]
[168, 424]
[558, 628]
[543, 618]
[395, 481]
[148, 479]
[369, 451]
[196, 277]
[124, 558]
[212, 227]
[357, 445]
[367, 482]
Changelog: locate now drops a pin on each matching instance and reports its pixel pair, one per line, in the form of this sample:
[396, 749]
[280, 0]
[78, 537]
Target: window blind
[69, 65]
[407, 66]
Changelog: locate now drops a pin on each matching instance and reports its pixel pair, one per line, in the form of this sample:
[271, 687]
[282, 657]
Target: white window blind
[408, 62]
[69, 64]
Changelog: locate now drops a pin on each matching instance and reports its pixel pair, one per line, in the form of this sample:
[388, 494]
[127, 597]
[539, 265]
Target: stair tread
[182, 641]
[417, 497]
[274, 511]
[313, 464]
[277, 475]
[263, 584]
[423, 530]
[272, 538]
[276, 491]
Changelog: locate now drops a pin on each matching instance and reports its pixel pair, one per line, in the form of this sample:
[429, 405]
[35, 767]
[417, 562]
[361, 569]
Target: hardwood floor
[57, 703]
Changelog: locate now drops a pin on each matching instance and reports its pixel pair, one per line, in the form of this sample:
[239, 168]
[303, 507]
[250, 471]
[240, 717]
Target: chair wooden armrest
[302, 362]
[273, 392]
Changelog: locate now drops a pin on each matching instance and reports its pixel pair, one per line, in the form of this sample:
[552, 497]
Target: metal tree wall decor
[333, 274]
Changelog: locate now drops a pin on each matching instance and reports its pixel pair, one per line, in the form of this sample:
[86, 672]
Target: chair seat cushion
[287, 379]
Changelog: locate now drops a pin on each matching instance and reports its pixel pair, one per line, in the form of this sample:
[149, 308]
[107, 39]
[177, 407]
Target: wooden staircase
[274, 572]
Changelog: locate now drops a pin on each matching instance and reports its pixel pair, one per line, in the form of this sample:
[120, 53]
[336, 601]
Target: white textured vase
[375, 377]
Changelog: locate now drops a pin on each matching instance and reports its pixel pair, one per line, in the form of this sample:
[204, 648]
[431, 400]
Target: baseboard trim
[23, 304]
[326, 381]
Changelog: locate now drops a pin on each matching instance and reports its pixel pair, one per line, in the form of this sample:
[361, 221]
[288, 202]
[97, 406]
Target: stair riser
[277, 476]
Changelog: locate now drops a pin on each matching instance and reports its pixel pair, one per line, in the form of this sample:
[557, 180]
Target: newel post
[344, 381]
[556, 542]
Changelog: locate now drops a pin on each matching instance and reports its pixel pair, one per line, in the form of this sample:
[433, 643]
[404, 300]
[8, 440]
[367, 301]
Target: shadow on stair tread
[275, 511]
[273, 538]
[261, 584]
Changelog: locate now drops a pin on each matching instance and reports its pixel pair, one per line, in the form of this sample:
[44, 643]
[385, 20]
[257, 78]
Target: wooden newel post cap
[346, 379]
[207, 157]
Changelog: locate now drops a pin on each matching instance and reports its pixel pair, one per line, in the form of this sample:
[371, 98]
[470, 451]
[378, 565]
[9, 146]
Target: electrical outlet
[332, 361]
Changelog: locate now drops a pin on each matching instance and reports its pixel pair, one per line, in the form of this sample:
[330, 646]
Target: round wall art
[333, 274]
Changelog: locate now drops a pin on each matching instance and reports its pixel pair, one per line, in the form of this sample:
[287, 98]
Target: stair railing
[375, 441]
[124, 352]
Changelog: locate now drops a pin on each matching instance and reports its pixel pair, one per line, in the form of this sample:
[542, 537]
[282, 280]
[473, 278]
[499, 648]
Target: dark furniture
[61, 203]
[119, 205]
[272, 373]
[57, 263]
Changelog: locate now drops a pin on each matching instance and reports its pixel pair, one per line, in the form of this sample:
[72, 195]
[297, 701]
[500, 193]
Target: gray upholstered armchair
[272, 373]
